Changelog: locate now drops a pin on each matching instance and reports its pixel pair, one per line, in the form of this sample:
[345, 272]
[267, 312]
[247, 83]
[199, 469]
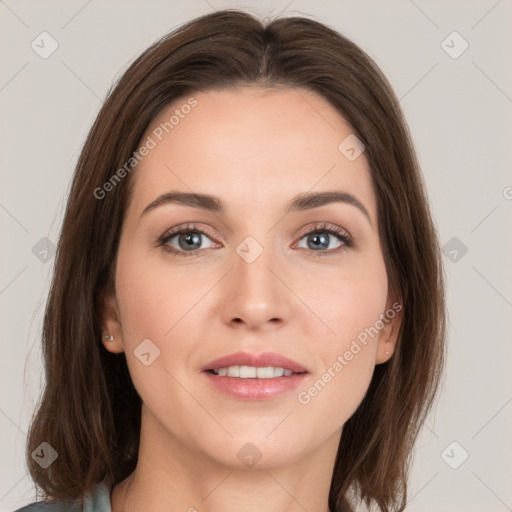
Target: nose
[255, 294]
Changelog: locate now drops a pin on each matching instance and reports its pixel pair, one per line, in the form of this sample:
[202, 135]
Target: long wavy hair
[89, 411]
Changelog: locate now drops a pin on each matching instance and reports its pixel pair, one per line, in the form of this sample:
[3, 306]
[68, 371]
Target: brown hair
[90, 411]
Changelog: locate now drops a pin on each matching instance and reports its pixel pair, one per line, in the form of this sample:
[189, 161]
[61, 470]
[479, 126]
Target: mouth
[254, 376]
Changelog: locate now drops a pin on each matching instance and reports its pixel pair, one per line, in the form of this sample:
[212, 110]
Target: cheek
[332, 397]
[345, 369]
[152, 299]
[354, 301]
[154, 304]
[352, 308]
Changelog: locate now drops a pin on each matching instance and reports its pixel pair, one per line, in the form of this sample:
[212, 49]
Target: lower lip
[255, 389]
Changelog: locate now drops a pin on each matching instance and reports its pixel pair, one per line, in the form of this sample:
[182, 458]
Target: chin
[256, 449]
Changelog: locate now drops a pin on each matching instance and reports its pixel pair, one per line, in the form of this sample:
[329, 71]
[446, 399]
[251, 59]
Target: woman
[247, 308]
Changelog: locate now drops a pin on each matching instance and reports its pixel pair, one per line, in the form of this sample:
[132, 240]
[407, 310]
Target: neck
[172, 477]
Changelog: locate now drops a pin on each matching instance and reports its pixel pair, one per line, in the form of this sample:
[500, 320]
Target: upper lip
[257, 360]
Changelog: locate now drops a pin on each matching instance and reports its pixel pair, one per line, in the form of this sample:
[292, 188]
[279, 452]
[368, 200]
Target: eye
[183, 241]
[318, 239]
[187, 240]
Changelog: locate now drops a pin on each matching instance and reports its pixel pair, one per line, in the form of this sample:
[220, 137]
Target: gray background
[458, 111]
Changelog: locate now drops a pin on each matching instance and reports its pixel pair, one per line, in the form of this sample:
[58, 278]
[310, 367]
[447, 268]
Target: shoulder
[48, 506]
[98, 500]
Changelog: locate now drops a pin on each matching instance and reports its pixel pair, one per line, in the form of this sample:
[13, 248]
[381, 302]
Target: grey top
[98, 500]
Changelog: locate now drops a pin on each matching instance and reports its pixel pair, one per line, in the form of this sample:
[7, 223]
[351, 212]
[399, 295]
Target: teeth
[234, 371]
[251, 372]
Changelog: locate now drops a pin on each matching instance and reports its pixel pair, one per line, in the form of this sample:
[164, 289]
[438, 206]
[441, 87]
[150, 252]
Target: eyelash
[322, 227]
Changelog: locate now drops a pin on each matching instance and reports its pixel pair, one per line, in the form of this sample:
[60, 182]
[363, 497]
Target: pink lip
[257, 360]
[255, 389]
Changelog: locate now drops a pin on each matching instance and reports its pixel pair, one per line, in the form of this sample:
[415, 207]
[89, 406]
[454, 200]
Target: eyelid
[188, 226]
[324, 226]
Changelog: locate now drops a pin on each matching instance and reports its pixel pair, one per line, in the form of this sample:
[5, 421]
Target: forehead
[249, 144]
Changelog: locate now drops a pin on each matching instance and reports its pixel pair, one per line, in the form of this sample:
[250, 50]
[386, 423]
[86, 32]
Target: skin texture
[255, 150]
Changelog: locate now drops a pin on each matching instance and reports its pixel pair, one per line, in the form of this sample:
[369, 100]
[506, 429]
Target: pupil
[318, 240]
[190, 238]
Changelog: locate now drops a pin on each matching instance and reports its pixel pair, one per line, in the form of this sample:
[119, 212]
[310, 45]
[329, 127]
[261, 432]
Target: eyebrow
[301, 202]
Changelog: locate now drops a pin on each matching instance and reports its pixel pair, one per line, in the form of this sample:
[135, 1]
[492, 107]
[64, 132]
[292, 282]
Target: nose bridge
[256, 295]
[253, 260]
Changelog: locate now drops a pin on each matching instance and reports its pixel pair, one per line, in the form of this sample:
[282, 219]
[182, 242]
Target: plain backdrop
[458, 103]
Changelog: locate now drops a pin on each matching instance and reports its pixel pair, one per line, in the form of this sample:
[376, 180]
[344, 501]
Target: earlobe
[385, 346]
[388, 335]
[112, 334]
[111, 344]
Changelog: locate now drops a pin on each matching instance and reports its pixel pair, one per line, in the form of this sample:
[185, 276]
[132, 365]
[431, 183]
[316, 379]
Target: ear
[111, 325]
[388, 335]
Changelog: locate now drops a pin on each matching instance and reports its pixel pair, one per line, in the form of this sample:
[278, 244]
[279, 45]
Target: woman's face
[250, 277]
